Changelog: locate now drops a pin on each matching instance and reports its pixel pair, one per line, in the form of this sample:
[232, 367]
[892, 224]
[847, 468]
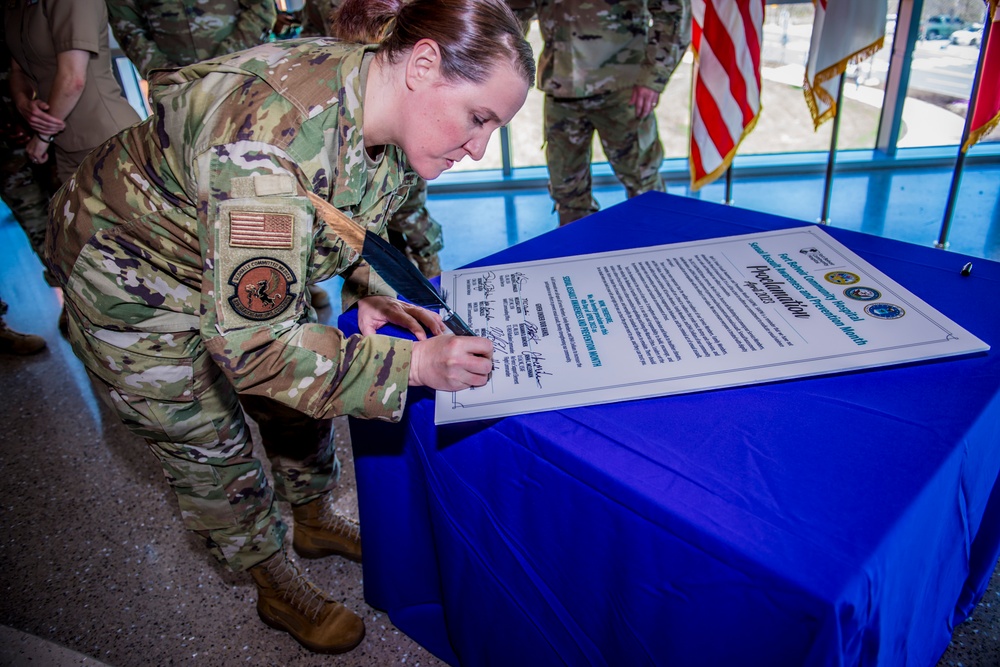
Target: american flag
[726, 39]
[986, 108]
[252, 229]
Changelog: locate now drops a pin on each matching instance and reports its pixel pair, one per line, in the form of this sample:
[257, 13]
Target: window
[941, 72]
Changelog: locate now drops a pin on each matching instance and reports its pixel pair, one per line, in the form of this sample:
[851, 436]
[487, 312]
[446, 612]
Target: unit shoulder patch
[262, 288]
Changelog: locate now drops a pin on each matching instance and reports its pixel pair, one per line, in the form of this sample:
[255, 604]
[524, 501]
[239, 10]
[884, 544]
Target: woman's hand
[374, 312]
[451, 363]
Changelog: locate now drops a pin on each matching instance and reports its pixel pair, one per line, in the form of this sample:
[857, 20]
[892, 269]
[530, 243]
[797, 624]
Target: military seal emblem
[261, 288]
[885, 311]
[841, 277]
[862, 293]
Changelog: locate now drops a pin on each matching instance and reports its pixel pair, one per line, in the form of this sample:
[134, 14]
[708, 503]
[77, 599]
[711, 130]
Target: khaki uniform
[184, 247]
[594, 53]
[36, 32]
[171, 33]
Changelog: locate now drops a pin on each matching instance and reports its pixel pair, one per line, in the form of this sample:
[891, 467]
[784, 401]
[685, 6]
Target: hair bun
[364, 21]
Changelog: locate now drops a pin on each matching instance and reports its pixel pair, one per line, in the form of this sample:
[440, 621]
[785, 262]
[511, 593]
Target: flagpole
[728, 201]
[956, 176]
[824, 218]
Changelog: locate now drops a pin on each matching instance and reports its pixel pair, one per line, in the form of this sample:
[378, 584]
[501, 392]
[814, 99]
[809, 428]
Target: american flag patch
[249, 229]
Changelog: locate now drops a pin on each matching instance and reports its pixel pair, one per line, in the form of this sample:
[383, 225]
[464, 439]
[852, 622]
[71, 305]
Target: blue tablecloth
[839, 520]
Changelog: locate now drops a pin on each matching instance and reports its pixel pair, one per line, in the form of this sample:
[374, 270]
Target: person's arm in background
[669, 36]
[255, 20]
[46, 116]
[132, 32]
[28, 105]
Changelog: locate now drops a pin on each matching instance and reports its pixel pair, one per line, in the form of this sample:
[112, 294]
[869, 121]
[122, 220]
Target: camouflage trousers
[204, 445]
[631, 144]
[26, 189]
[412, 230]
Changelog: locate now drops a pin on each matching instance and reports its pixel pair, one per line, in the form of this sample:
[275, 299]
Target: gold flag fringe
[815, 90]
[978, 134]
[992, 123]
[726, 161]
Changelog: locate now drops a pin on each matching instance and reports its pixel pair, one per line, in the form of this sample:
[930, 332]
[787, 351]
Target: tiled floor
[95, 559]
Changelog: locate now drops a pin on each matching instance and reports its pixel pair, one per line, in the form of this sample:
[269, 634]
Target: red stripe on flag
[730, 31]
[725, 51]
[712, 118]
[696, 157]
[985, 110]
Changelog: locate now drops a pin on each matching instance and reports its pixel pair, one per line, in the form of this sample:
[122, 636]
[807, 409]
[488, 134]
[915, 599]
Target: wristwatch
[49, 139]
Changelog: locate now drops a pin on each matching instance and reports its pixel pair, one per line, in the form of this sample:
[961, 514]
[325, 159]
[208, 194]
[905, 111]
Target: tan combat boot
[14, 342]
[319, 532]
[288, 601]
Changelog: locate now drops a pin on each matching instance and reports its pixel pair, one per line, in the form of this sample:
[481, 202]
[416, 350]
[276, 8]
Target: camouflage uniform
[524, 10]
[412, 230]
[25, 187]
[184, 246]
[316, 17]
[594, 53]
[27, 190]
[170, 33]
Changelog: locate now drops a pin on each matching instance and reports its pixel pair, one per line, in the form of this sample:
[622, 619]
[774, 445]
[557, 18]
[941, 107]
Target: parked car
[971, 36]
[941, 26]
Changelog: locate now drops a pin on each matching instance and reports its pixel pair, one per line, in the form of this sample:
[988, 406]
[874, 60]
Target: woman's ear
[423, 65]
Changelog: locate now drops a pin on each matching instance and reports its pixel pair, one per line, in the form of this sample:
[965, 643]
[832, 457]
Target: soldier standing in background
[183, 245]
[61, 80]
[26, 188]
[602, 68]
[163, 34]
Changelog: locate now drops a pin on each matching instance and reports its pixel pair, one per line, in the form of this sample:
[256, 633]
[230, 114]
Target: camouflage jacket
[171, 33]
[316, 16]
[192, 231]
[598, 46]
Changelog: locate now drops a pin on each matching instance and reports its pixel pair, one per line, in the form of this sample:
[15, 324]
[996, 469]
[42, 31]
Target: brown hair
[474, 35]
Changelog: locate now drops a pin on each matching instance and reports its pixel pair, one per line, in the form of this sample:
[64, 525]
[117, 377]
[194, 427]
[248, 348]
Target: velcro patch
[266, 185]
[252, 229]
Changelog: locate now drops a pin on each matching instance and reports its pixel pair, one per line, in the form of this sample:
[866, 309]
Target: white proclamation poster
[685, 317]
